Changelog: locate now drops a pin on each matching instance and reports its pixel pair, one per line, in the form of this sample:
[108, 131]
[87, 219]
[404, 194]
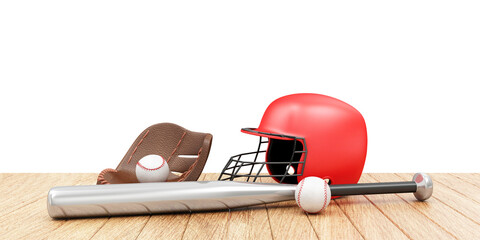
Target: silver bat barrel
[150, 198]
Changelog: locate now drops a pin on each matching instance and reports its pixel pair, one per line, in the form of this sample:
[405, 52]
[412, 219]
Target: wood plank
[288, 221]
[121, 227]
[32, 219]
[362, 213]
[4, 177]
[248, 223]
[452, 199]
[461, 187]
[456, 215]
[77, 229]
[469, 177]
[20, 186]
[166, 226]
[207, 225]
[406, 217]
[333, 224]
[448, 218]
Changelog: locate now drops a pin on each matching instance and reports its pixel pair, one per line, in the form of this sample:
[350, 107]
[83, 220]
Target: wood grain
[451, 198]
[69, 229]
[121, 228]
[249, 223]
[20, 185]
[207, 225]
[333, 224]
[443, 215]
[406, 217]
[77, 229]
[452, 212]
[32, 219]
[467, 177]
[290, 218]
[464, 188]
[166, 226]
[368, 219]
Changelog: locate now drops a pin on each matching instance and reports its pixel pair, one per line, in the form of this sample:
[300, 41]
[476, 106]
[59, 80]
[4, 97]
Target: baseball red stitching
[299, 192]
[134, 150]
[324, 198]
[324, 195]
[151, 169]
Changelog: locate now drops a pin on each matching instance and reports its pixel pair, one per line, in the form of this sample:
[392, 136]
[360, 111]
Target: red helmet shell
[335, 134]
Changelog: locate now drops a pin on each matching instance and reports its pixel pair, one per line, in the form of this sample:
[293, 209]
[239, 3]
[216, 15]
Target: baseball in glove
[186, 153]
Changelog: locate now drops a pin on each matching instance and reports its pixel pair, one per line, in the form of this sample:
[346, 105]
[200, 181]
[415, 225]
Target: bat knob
[424, 186]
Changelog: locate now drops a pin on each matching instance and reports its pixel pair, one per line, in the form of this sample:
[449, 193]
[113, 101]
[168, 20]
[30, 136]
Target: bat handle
[421, 186]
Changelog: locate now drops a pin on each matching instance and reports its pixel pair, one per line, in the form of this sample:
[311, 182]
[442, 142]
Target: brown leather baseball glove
[186, 153]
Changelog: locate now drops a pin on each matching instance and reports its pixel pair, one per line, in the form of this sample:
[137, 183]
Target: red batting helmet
[308, 135]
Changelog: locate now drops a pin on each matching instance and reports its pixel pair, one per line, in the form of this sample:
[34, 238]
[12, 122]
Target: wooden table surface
[452, 212]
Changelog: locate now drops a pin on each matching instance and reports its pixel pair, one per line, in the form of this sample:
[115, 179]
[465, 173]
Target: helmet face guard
[284, 158]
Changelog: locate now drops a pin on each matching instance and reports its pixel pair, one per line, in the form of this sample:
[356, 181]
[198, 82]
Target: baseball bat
[172, 197]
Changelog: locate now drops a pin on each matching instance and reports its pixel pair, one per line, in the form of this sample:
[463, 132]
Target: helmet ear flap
[282, 153]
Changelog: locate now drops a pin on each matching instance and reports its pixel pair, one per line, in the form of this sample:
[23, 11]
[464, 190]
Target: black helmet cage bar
[238, 163]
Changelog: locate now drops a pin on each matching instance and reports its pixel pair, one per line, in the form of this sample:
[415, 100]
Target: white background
[81, 79]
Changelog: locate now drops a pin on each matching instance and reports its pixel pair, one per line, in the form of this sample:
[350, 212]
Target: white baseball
[152, 168]
[313, 194]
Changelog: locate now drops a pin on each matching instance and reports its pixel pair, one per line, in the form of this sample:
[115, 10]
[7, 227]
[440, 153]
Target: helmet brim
[258, 132]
